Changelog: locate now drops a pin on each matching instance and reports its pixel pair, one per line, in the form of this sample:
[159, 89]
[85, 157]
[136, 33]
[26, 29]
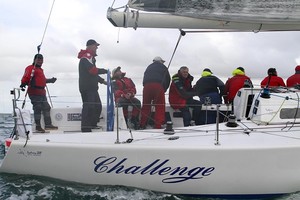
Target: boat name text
[29, 153]
[159, 167]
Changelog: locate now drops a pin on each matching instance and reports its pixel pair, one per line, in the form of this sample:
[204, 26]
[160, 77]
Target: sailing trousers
[40, 106]
[186, 115]
[153, 94]
[134, 102]
[132, 115]
[91, 109]
[206, 116]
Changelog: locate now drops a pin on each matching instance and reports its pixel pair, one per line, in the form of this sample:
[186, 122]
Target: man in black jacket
[88, 86]
[210, 90]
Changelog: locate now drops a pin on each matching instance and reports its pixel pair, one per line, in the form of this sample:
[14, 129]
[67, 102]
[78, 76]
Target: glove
[101, 80]
[127, 96]
[102, 71]
[23, 86]
[52, 80]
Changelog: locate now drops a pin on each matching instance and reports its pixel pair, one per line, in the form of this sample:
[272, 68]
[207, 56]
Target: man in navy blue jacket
[88, 86]
[156, 82]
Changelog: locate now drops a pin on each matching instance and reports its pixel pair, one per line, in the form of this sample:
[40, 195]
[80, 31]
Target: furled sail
[240, 15]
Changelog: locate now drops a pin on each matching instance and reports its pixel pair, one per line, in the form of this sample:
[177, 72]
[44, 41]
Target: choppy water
[23, 187]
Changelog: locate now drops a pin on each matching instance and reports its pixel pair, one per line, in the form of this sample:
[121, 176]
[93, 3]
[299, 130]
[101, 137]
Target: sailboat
[251, 154]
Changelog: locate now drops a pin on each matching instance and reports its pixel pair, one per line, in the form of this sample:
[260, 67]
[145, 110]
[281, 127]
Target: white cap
[158, 58]
[115, 70]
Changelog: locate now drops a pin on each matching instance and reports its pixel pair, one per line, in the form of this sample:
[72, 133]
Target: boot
[51, 127]
[48, 122]
[136, 123]
[38, 126]
[39, 129]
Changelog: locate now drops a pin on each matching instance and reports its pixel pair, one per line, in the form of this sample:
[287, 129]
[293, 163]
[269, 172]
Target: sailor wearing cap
[210, 90]
[156, 81]
[236, 82]
[124, 92]
[88, 86]
[295, 78]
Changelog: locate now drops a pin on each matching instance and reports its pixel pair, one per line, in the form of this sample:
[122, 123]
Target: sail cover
[262, 11]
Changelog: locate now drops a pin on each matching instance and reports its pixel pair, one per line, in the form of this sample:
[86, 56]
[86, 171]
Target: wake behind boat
[251, 156]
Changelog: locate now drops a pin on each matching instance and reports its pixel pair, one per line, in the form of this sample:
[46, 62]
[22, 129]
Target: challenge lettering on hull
[158, 167]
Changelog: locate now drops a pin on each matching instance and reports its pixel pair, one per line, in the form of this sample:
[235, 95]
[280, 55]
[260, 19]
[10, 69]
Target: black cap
[39, 56]
[272, 71]
[207, 70]
[91, 42]
[241, 68]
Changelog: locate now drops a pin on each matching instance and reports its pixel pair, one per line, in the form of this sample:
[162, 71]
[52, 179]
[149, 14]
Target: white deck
[243, 136]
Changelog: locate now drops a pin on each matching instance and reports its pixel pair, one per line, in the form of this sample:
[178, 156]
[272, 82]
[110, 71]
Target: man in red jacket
[181, 96]
[295, 78]
[35, 79]
[235, 83]
[124, 92]
[272, 80]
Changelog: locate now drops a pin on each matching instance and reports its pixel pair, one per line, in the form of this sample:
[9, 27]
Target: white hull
[250, 159]
[255, 164]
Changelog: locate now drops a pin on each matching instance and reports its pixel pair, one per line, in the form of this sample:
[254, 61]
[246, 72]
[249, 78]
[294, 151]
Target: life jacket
[293, 80]
[233, 85]
[123, 86]
[176, 98]
[272, 81]
[36, 83]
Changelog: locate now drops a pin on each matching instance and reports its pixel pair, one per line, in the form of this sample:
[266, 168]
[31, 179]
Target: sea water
[23, 187]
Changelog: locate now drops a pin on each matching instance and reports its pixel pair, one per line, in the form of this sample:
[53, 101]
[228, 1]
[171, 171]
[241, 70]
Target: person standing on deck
[156, 81]
[295, 78]
[181, 96]
[272, 80]
[88, 86]
[210, 90]
[35, 78]
[233, 84]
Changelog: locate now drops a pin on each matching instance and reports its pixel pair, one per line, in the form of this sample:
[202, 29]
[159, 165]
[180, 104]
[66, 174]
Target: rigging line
[276, 112]
[49, 96]
[182, 33]
[38, 49]
[39, 46]
[118, 35]
[112, 3]
[283, 136]
[296, 113]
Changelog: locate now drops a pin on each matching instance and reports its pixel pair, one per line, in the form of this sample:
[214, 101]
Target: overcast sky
[73, 22]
